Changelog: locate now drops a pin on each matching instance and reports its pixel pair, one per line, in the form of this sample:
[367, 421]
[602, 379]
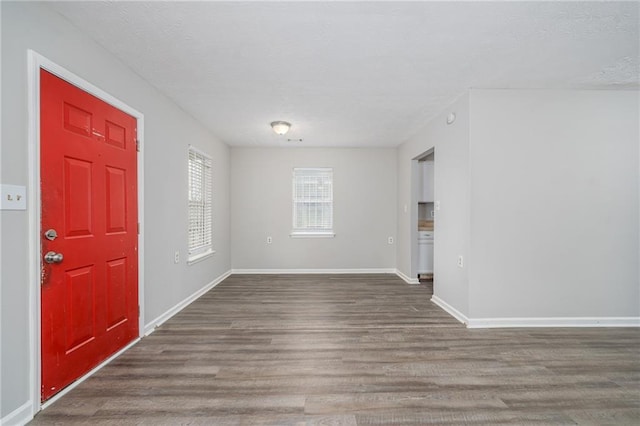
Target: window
[312, 202]
[200, 211]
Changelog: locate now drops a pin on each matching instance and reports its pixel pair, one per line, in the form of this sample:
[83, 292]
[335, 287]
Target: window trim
[197, 254]
[200, 256]
[310, 233]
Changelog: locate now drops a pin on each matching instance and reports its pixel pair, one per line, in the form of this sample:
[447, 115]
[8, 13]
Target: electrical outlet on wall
[390, 240]
[176, 257]
[269, 240]
[460, 261]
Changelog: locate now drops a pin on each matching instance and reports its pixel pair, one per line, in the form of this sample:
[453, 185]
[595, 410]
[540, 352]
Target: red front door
[89, 201]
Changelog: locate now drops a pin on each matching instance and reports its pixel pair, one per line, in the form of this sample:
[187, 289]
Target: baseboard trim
[157, 322]
[406, 278]
[20, 416]
[450, 310]
[313, 271]
[554, 322]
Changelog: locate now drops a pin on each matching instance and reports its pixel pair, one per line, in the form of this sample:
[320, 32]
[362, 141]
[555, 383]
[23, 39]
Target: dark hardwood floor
[354, 350]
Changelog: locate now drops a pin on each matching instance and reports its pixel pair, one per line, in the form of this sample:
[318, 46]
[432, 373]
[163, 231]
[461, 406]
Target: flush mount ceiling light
[280, 127]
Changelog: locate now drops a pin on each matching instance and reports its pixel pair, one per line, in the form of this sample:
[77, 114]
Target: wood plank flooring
[354, 350]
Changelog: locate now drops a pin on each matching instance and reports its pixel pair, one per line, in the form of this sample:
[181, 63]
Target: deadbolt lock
[51, 234]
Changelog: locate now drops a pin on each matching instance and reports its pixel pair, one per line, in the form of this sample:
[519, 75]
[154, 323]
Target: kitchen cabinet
[425, 252]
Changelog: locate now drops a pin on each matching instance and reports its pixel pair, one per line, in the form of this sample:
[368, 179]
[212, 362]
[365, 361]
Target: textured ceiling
[356, 73]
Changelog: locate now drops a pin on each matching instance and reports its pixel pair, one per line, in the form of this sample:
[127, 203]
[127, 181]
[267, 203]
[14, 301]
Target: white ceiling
[356, 73]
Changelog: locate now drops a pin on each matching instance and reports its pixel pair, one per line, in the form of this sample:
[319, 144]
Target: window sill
[200, 257]
[305, 234]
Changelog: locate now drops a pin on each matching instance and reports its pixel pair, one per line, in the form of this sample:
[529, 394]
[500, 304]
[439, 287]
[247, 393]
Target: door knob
[53, 257]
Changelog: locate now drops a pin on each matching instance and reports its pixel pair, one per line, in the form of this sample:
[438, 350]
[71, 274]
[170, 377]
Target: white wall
[168, 131]
[539, 192]
[451, 226]
[364, 209]
[554, 204]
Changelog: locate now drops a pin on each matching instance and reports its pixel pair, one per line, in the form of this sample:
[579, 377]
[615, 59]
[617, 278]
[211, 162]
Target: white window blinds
[200, 200]
[312, 201]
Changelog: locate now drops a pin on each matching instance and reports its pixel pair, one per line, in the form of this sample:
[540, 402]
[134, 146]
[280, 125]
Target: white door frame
[35, 63]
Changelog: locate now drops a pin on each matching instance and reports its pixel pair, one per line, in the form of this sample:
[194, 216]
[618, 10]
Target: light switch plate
[13, 197]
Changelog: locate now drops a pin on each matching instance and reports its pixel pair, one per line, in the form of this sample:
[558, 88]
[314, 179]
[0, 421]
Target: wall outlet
[460, 261]
[13, 197]
[269, 240]
[176, 257]
[390, 240]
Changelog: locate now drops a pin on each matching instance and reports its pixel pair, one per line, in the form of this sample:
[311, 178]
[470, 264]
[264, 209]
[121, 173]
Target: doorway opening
[423, 218]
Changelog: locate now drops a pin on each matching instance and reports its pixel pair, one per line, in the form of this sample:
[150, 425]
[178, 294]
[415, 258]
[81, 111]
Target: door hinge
[138, 228]
[138, 311]
[137, 145]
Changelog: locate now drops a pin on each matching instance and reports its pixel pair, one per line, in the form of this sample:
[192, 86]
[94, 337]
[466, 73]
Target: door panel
[77, 120]
[116, 203]
[116, 292]
[116, 135]
[79, 307]
[89, 197]
[77, 197]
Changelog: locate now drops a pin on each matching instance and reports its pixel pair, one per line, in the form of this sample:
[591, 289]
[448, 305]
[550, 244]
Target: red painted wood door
[89, 198]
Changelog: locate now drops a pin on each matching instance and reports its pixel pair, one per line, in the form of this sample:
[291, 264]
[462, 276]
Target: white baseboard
[157, 322]
[20, 416]
[406, 278]
[536, 322]
[450, 310]
[554, 322]
[314, 271]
